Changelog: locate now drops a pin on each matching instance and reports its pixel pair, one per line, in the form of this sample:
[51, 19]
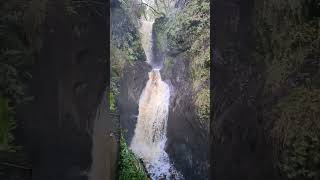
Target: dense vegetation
[19, 45]
[125, 45]
[125, 49]
[187, 33]
[17, 57]
[129, 166]
[288, 45]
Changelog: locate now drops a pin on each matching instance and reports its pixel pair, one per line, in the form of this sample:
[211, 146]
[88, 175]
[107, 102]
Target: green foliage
[160, 27]
[163, 7]
[200, 68]
[203, 106]
[290, 48]
[188, 32]
[188, 25]
[301, 157]
[298, 130]
[7, 124]
[112, 102]
[194, 22]
[134, 9]
[125, 45]
[117, 62]
[119, 58]
[14, 68]
[19, 28]
[16, 53]
[125, 35]
[168, 64]
[285, 36]
[287, 40]
[130, 167]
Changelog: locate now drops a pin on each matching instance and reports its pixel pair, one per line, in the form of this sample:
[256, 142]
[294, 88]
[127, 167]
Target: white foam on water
[149, 139]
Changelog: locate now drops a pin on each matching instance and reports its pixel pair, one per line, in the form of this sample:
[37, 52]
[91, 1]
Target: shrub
[298, 133]
[129, 166]
[7, 124]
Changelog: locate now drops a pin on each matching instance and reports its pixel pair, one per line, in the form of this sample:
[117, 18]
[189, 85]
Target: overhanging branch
[161, 13]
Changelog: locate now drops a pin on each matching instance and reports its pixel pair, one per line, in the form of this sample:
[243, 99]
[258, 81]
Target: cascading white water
[149, 138]
[146, 31]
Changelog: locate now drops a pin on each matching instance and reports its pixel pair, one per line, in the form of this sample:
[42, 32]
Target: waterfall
[149, 139]
[147, 41]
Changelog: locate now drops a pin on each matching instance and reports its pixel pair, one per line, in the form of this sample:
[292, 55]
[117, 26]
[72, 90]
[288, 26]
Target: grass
[130, 167]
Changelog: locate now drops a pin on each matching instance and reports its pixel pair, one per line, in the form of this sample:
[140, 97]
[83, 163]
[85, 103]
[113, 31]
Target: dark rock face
[68, 83]
[134, 80]
[238, 145]
[257, 66]
[187, 142]
[105, 143]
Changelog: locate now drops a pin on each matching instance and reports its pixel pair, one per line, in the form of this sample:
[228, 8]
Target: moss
[159, 28]
[287, 42]
[188, 24]
[125, 46]
[112, 102]
[200, 68]
[199, 52]
[7, 124]
[188, 32]
[18, 53]
[285, 37]
[202, 104]
[298, 132]
[129, 166]
[168, 64]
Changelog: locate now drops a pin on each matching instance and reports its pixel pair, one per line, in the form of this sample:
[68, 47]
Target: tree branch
[14, 165]
[142, 3]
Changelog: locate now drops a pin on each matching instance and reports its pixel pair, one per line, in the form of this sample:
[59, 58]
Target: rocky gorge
[61, 117]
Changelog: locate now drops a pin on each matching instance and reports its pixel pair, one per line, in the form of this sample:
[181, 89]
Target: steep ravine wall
[187, 141]
[129, 71]
[265, 65]
[175, 39]
[131, 86]
[68, 85]
[239, 149]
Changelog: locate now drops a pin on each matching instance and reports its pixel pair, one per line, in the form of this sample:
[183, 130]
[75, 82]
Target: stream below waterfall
[149, 139]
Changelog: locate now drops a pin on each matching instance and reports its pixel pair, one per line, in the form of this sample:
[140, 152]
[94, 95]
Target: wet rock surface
[68, 84]
[134, 80]
[238, 145]
[187, 143]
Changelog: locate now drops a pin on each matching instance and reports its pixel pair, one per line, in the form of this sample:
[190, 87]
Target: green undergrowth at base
[297, 130]
[130, 168]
